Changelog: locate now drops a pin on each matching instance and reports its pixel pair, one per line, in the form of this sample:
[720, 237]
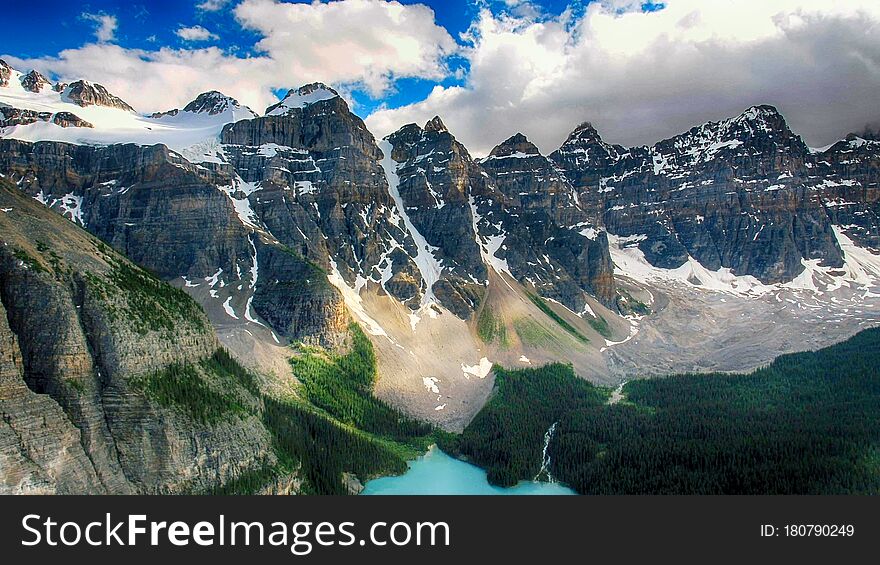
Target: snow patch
[431, 384]
[353, 300]
[429, 267]
[480, 370]
[228, 307]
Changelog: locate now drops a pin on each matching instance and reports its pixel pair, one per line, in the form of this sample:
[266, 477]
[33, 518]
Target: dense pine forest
[809, 423]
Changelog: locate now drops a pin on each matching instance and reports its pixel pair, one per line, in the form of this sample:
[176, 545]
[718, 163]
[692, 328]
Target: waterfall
[545, 456]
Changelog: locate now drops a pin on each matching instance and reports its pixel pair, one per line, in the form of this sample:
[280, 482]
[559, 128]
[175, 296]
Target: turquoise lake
[438, 473]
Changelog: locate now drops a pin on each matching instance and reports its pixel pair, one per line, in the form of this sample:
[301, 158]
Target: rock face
[297, 300]
[84, 93]
[18, 117]
[212, 103]
[34, 81]
[553, 244]
[180, 223]
[5, 73]
[69, 120]
[847, 178]
[40, 449]
[740, 193]
[81, 330]
[174, 218]
[319, 187]
[435, 180]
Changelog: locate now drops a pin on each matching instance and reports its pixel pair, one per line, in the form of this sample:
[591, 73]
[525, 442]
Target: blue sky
[640, 71]
[151, 25]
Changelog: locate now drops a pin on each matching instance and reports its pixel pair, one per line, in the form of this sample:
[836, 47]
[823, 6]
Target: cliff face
[172, 217]
[744, 193]
[40, 449]
[847, 179]
[553, 243]
[84, 336]
[435, 179]
[146, 201]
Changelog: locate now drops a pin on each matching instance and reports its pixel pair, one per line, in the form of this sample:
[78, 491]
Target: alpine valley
[213, 299]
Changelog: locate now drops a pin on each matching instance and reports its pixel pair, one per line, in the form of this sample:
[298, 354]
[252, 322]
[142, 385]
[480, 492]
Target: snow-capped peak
[84, 93]
[302, 97]
[515, 145]
[585, 132]
[212, 103]
[5, 73]
[34, 81]
[86, 113]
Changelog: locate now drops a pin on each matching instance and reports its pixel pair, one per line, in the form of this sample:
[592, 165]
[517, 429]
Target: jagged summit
[212, 103]
[301, 97]
[435, 125]
[34, 81]
[584, 132]
[84, 93]
[584, 149]
[5, 73]
[517, 145]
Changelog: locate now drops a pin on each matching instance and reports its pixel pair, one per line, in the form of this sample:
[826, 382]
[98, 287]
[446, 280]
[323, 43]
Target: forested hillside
[807, 424]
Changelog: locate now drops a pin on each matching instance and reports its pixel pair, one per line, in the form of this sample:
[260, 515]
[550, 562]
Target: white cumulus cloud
[371, 42]
[105, 25]
[212, 5]
[194, 33]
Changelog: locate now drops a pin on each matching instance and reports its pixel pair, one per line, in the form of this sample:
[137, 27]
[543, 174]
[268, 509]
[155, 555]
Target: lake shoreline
[437, 473]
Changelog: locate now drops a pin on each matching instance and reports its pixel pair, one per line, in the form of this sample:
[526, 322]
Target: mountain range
[717, 249]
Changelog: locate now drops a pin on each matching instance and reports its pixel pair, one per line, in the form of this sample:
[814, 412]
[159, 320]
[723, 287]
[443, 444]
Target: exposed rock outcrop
[34, 81]
[69, 120]
[738, 193]
[18, 117]
[84, 93]
[211, 103]
[552, 243]
[5, 73]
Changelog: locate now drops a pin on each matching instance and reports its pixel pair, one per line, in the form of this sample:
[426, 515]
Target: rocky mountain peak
[763, 120]
[871, 133]
[584, 150]
[404, 138]
[211, 103]
[5, 72]
[515, 145]
[84, 93]
[34, 81]
[301, 97]
[435, 125]
[759, 131]
[585, 132]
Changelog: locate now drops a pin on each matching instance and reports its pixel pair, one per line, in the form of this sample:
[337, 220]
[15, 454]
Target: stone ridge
[84, 93]
[740, 193]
